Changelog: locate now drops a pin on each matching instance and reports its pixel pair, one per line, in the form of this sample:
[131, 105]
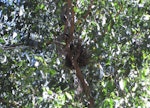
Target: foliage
[32, 63]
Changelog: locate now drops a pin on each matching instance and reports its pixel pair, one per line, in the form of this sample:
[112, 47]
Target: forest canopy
[74, 53]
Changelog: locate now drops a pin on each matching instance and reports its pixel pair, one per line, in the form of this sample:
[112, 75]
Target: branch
[73, 58]
[70, 20]
[84, 84]
[32, 44]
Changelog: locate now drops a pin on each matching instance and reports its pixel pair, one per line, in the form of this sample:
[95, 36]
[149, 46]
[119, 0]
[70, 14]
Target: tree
[83, 53]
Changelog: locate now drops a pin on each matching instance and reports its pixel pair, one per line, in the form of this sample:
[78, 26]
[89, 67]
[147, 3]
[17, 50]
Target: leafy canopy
[32, 62]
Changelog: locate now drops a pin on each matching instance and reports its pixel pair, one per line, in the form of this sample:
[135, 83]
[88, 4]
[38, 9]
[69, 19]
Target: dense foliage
[33, 70]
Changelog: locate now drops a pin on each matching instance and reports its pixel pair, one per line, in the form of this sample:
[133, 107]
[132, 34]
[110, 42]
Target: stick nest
[79, 51]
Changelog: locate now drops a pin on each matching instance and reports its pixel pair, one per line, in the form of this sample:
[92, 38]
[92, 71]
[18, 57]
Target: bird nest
[81, 52]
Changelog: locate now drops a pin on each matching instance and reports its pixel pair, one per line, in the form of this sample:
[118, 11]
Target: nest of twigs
[81, 52]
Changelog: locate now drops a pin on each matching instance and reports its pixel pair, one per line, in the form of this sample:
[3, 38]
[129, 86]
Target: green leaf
[108, 103]
[52, 72]
[68, 95]
[76, 9]
[1, 50]
[42, 6]
[41, 59]
[50, 92]
[2, 41]
[122, 84]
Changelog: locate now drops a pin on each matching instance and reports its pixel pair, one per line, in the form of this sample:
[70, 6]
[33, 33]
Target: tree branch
[84, 83]
[73, 58]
